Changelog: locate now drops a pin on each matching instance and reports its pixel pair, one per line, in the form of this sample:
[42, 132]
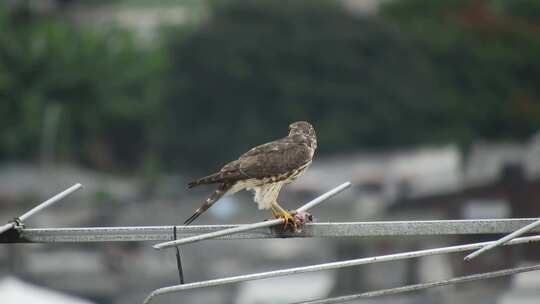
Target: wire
[178, 260]
[421, 286]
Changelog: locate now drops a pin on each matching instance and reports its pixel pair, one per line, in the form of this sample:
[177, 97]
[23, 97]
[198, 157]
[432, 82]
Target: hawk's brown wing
[277, 159]
[272, 159]
[269, 160]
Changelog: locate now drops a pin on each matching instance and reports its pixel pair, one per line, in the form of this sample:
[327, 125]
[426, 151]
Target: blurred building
[490, 180]
[13, 290]
[146, 17]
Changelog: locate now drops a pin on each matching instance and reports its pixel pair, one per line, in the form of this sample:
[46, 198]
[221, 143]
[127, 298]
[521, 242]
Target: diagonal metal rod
[421, 286]
[310, 230]
[328, 266]
[40, 207]
[7, 227]
[503, 240]
[213, 235]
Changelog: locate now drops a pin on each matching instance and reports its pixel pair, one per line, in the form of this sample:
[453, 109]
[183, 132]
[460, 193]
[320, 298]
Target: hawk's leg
[279, 212]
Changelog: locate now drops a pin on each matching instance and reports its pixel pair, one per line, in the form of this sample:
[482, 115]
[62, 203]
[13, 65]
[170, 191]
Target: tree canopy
[417, 72]
[257, 66]
[101, 83]
[486, 58]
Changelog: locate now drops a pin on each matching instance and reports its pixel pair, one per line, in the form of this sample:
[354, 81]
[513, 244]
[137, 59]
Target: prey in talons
[293, 220]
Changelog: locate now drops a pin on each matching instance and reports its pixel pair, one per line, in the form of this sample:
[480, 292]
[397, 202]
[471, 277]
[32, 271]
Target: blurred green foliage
[486, 57]
[420, 71]
[257, 66]
[104, 85]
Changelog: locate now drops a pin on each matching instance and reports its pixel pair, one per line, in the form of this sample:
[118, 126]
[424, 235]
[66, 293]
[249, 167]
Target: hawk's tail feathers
[223, 188]
[210, 179]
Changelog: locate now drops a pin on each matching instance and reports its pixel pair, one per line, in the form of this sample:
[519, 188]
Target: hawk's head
[306, 131]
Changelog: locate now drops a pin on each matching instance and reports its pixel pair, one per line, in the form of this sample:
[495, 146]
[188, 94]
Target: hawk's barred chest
[266, 190]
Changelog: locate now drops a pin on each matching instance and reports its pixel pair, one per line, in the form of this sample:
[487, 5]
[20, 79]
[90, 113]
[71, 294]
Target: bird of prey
[264, 170]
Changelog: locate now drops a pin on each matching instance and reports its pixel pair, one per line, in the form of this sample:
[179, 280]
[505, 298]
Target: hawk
[264, 170]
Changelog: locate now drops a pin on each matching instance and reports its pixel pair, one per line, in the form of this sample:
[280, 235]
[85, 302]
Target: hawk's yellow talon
[287, 217]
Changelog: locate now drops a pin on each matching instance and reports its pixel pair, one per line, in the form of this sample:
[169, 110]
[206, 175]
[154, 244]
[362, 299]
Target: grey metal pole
[242, 228]
[421, 286]
[503, 240]
[41, 206]
[6, 227]
[328, 266]
[320, 230]
[213, 235]
[50, 201]
[324, 197]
